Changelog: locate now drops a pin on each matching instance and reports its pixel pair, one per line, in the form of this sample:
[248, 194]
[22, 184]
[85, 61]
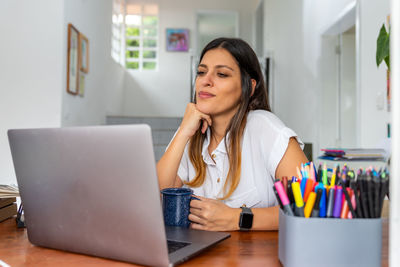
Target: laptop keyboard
[175, 245]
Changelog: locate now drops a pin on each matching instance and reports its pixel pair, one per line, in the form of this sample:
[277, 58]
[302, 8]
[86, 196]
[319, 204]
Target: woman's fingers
[204, 126]
[206, 120]
[196, 219]
[197, 226]
[193, 119]
[196, 212]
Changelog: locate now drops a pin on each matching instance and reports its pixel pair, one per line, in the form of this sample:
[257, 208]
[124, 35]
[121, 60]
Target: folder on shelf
[370, 154]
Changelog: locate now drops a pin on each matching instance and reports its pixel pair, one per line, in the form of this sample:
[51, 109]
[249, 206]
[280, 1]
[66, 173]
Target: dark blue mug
[176, 206]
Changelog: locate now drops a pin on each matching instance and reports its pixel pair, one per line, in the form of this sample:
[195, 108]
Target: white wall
[166, 92]
[33, 54]
[103, 83]
[293, 81]
[293, 31]
[31, 67]
[373, 80]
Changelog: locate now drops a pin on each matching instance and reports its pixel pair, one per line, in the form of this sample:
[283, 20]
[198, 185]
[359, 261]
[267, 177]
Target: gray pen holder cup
[176, 206]
[329, 242]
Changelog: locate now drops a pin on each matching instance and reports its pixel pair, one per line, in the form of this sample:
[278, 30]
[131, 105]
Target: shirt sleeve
[279, 148]
[183, 170]
[274, 138]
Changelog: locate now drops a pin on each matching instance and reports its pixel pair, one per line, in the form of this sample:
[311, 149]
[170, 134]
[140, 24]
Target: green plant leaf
[382, 47]
[387, 61]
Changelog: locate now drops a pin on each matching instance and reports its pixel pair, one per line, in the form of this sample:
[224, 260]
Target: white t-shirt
[265, 140]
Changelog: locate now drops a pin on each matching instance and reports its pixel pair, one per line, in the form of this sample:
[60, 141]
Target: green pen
[324, 175]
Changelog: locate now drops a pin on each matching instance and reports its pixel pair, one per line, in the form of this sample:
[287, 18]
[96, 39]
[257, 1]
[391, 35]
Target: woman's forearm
[167, 166]
[266, 218]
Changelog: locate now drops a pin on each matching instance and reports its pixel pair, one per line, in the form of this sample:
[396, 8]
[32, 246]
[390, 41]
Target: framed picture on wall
[83, 53]
[73, 60]
[177, 40]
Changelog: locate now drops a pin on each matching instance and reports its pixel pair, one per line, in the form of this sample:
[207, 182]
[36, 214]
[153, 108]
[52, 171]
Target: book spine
[8, 211]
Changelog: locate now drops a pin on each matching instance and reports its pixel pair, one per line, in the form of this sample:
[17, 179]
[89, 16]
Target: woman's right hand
[192, 120]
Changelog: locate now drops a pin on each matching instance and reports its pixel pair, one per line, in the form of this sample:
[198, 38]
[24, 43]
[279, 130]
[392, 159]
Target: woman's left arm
[292, 158]
[213, 215]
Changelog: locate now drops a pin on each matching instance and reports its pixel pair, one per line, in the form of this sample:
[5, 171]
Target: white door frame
[347, 18]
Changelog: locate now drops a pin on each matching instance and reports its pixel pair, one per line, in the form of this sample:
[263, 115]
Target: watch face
[246, 220]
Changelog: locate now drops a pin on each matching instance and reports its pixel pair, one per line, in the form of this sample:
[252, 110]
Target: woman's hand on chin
[192, 120]
[213, 215]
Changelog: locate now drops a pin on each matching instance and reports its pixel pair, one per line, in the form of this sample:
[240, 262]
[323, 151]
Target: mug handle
[192, 197]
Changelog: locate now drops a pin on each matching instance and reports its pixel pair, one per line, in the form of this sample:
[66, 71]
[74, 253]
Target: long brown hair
[249, 69]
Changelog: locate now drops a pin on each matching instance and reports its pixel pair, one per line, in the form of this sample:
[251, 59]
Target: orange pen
[308, 189]
[345, 207]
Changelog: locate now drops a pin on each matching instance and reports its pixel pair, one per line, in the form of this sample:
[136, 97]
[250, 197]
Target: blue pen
[303, 185]
[294, 179]
[322, 202]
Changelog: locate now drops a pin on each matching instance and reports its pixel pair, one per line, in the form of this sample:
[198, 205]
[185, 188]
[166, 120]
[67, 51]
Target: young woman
[229, 146]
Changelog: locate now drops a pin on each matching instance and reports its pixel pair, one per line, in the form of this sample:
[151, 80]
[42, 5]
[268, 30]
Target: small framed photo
[73, 60]
[178, 40]
[83, 53]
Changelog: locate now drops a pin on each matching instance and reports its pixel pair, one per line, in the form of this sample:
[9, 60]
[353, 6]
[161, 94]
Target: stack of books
[370, 154]
[8, 205]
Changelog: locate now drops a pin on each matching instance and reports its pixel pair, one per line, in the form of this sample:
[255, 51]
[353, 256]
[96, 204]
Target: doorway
[338, 99]
[211, 24]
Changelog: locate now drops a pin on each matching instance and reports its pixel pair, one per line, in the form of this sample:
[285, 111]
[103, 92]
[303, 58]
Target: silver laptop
[94, 190]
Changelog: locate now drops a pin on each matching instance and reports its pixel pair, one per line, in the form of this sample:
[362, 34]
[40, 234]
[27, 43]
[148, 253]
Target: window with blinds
[135, 35]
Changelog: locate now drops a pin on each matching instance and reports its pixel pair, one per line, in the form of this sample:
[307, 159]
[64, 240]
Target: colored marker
[315, 211]
[308, 189]
[333, 179]
[376, 181]
[363, 195]
[277, 196]
[303, 183]
[309, 204]
[337, 173]
[284, 198]
[370, 193]
[353, 202]
[345, 208]
[290, 192]
[348, 205]
[331, 201]
[322, 203]
[338, 202]
[319, 174]
[324, 175]
[299, 204]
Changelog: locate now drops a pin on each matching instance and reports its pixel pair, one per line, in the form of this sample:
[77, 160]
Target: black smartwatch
[246, 219]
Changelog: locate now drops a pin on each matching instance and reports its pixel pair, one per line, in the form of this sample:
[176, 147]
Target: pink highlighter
[284, 198]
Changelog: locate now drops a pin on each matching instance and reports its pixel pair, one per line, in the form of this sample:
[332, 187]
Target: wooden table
[242, 249]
